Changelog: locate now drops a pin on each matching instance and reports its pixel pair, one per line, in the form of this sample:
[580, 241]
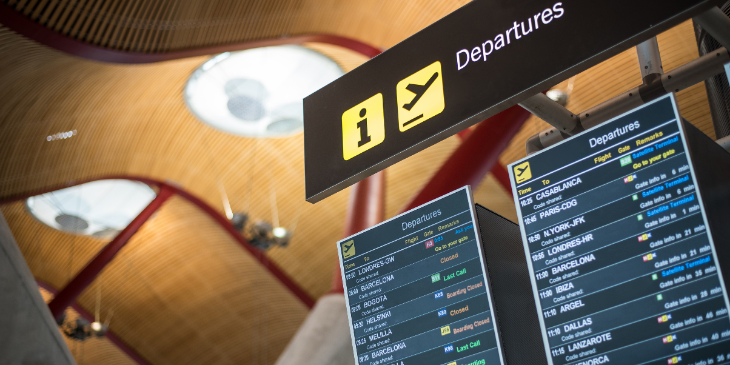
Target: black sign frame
[569, 36]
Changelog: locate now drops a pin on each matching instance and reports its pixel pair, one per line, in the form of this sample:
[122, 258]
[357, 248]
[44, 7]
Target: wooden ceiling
[182, 291]
[169, 25]
[93, 350]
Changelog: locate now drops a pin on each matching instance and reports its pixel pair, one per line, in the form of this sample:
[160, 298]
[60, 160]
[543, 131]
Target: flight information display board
[623, 267]
[417, 291]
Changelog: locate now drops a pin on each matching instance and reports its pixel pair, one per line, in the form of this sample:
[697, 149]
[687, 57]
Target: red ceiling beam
[87, 275]
[465, 133]
[274, 269]
[475, 157]
[35, 31]
[498, 171]
[41, 34]
[366, 206]
[260, 256]
[502, 175]
[27, 27]
[365, 209]
[123, 346]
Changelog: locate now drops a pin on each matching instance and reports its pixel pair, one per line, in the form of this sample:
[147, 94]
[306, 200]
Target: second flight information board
[623, 267]
[417, 291]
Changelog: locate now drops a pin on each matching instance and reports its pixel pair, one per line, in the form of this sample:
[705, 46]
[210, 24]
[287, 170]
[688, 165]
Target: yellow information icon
[363, 127]
[420, 96]
[522, 172]
[348, 249]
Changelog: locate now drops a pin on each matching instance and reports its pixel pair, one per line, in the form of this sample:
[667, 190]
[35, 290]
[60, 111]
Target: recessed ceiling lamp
[258, 92]
[99, 208]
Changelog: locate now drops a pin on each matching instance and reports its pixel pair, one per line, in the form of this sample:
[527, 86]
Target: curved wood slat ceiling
[168, 25]
[132, 120]
[93, 350]
[180, 273]
[180, 292]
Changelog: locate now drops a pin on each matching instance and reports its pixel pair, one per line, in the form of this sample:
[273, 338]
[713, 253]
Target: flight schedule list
[624, 269]
[416, 288]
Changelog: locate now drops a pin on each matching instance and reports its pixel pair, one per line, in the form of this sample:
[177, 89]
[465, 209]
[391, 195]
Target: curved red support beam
[474, 158]
[25, 26]
[365, 209]
[502, 175]
[274, 269]
[498, 171]
[83, 279]
[123, 346]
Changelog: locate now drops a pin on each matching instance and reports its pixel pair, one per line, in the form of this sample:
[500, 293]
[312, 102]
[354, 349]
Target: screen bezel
[682, 133]
[475, 226]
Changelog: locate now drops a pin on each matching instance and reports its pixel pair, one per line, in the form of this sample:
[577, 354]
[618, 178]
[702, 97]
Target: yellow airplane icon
[420, 96]
[348, 249]
[523, 172]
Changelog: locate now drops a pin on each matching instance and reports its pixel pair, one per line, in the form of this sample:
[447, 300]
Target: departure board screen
[417, 291]
[624, 270]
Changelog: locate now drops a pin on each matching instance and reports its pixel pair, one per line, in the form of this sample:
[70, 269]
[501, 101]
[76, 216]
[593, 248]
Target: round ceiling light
[99, 208]
[258, 92]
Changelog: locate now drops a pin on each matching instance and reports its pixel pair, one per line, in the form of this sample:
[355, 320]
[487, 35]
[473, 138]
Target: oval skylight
[258, 92]
[99, 208]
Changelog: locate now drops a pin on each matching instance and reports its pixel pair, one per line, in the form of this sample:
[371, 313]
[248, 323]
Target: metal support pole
[365, 209]
[475, 157]
[566, 124]
[650, 60]
[650, 64]
[611, 108]
[715, 22]
[678, 79]
[555, 114]
[724, 142]
[86, 276]
[695, 71]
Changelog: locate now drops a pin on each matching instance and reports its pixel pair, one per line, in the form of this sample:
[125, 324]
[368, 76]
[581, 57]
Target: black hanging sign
[470, 65]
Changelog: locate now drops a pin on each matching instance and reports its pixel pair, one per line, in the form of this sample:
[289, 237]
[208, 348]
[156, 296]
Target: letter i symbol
[359, 133]
[363, 127]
